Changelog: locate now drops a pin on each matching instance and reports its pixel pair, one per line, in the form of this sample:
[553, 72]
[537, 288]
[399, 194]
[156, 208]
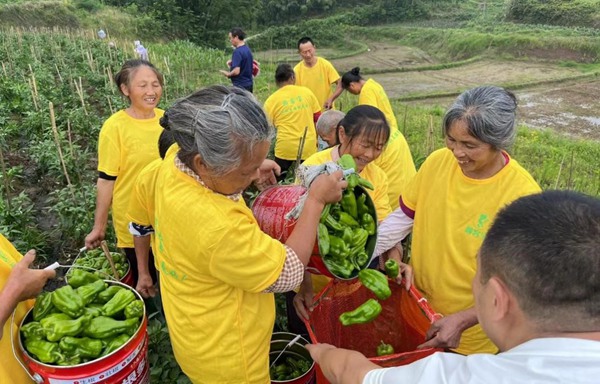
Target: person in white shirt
[537, 297]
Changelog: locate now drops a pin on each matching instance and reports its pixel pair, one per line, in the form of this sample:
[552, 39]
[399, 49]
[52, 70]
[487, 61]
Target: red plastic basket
[403, 322]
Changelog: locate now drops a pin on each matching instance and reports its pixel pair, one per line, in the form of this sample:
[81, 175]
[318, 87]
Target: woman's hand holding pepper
[328, 188]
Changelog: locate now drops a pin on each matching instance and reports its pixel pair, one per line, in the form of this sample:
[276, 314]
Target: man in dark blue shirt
[240, 69]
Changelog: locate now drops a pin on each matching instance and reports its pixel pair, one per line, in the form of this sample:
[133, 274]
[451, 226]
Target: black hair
[352, 76]
[367, 120]
[237, 32]
[304, 40]
[130, 67]
[283, 73]
[546, 249]
[165, 140]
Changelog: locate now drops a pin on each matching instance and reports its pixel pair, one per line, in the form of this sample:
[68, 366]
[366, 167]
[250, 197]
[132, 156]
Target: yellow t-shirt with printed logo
[396, 159]
[214, 264]
[291, 108]
[452, 214]
[141, 204]
[379, 195]
[317, 78]
[125, 146]
[11, 371]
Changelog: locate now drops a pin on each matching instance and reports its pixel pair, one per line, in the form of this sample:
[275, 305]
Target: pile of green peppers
[345, 227]
[289, 369]
[82, 321]
[95, 259]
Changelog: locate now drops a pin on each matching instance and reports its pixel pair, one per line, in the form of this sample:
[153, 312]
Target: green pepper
[348, 203]
[108, 293]
[135, 309]
[365, 313]
[114, 343]
[92, 311]
[385, 349]
[347, 236]
[346, 161]
[359, 238]
[365, 183]
[69, 360]
[60, 328]
[325, 213]
[103, 327]
[68, 301]
[332, 223]
[367, 222]
[78, 277]
[323, 239]
[118, 302]
[46, 321]
[360, 259]
[341, 268]
[43, 306]
[89, 292]
[82, 346]
[338, 248]
[376, 282]
[392, 269]
[347, 219]
[45, 351]
[361, 204]
[33, 330]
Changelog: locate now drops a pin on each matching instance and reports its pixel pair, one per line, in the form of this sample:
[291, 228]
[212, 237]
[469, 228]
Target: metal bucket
[271, 206]
[278, 342]
[128, 363]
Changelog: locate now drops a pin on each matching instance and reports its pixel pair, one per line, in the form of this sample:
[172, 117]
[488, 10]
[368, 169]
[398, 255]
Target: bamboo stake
[79, 89]
[104, 247]
[60, 155]
[570, 170]
[58, 72]
[33, 81]
[562, 162]
[70, 139]
[112, 111]
[430, 144]
[4, 69]
[5, 179]
[35, 104]
[405, 117]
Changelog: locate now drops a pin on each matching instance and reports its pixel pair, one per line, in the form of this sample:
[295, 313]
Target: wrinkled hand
[224, 73]
[316, 350]
[406, 271]
[268, 172]
[444, 333]
[328, 188]
[328, 104]
[24, 283]
[145, 287]
[94, 238]
[303, 301]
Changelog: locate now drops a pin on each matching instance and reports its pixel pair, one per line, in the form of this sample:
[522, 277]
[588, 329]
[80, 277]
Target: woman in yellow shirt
[449, 206]
[396, 160]
[362, 133]
[17, 284]
[218, 270]
[127, 143]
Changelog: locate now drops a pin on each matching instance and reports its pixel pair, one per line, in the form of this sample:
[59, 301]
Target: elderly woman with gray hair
[218, 269]
[449, 206]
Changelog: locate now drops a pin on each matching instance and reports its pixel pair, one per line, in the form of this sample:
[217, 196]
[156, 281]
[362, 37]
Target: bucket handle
[36, 378]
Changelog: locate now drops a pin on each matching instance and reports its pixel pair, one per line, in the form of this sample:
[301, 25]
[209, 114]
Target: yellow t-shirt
[452, 214]
[396, 160]
[397, 163]
[126, 145]
[291, 108]
[372, 93]
[214, 264]
[379, 195]
[317, 78]
[10, 369]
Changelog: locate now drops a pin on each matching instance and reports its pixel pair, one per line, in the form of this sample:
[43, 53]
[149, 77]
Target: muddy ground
[571, 108]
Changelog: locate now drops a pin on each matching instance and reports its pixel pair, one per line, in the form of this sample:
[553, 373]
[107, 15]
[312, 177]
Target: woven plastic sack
[403, 322]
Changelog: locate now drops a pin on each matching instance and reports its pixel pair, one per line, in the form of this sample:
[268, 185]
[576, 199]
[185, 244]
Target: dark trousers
[285, 166]
[130, 253]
